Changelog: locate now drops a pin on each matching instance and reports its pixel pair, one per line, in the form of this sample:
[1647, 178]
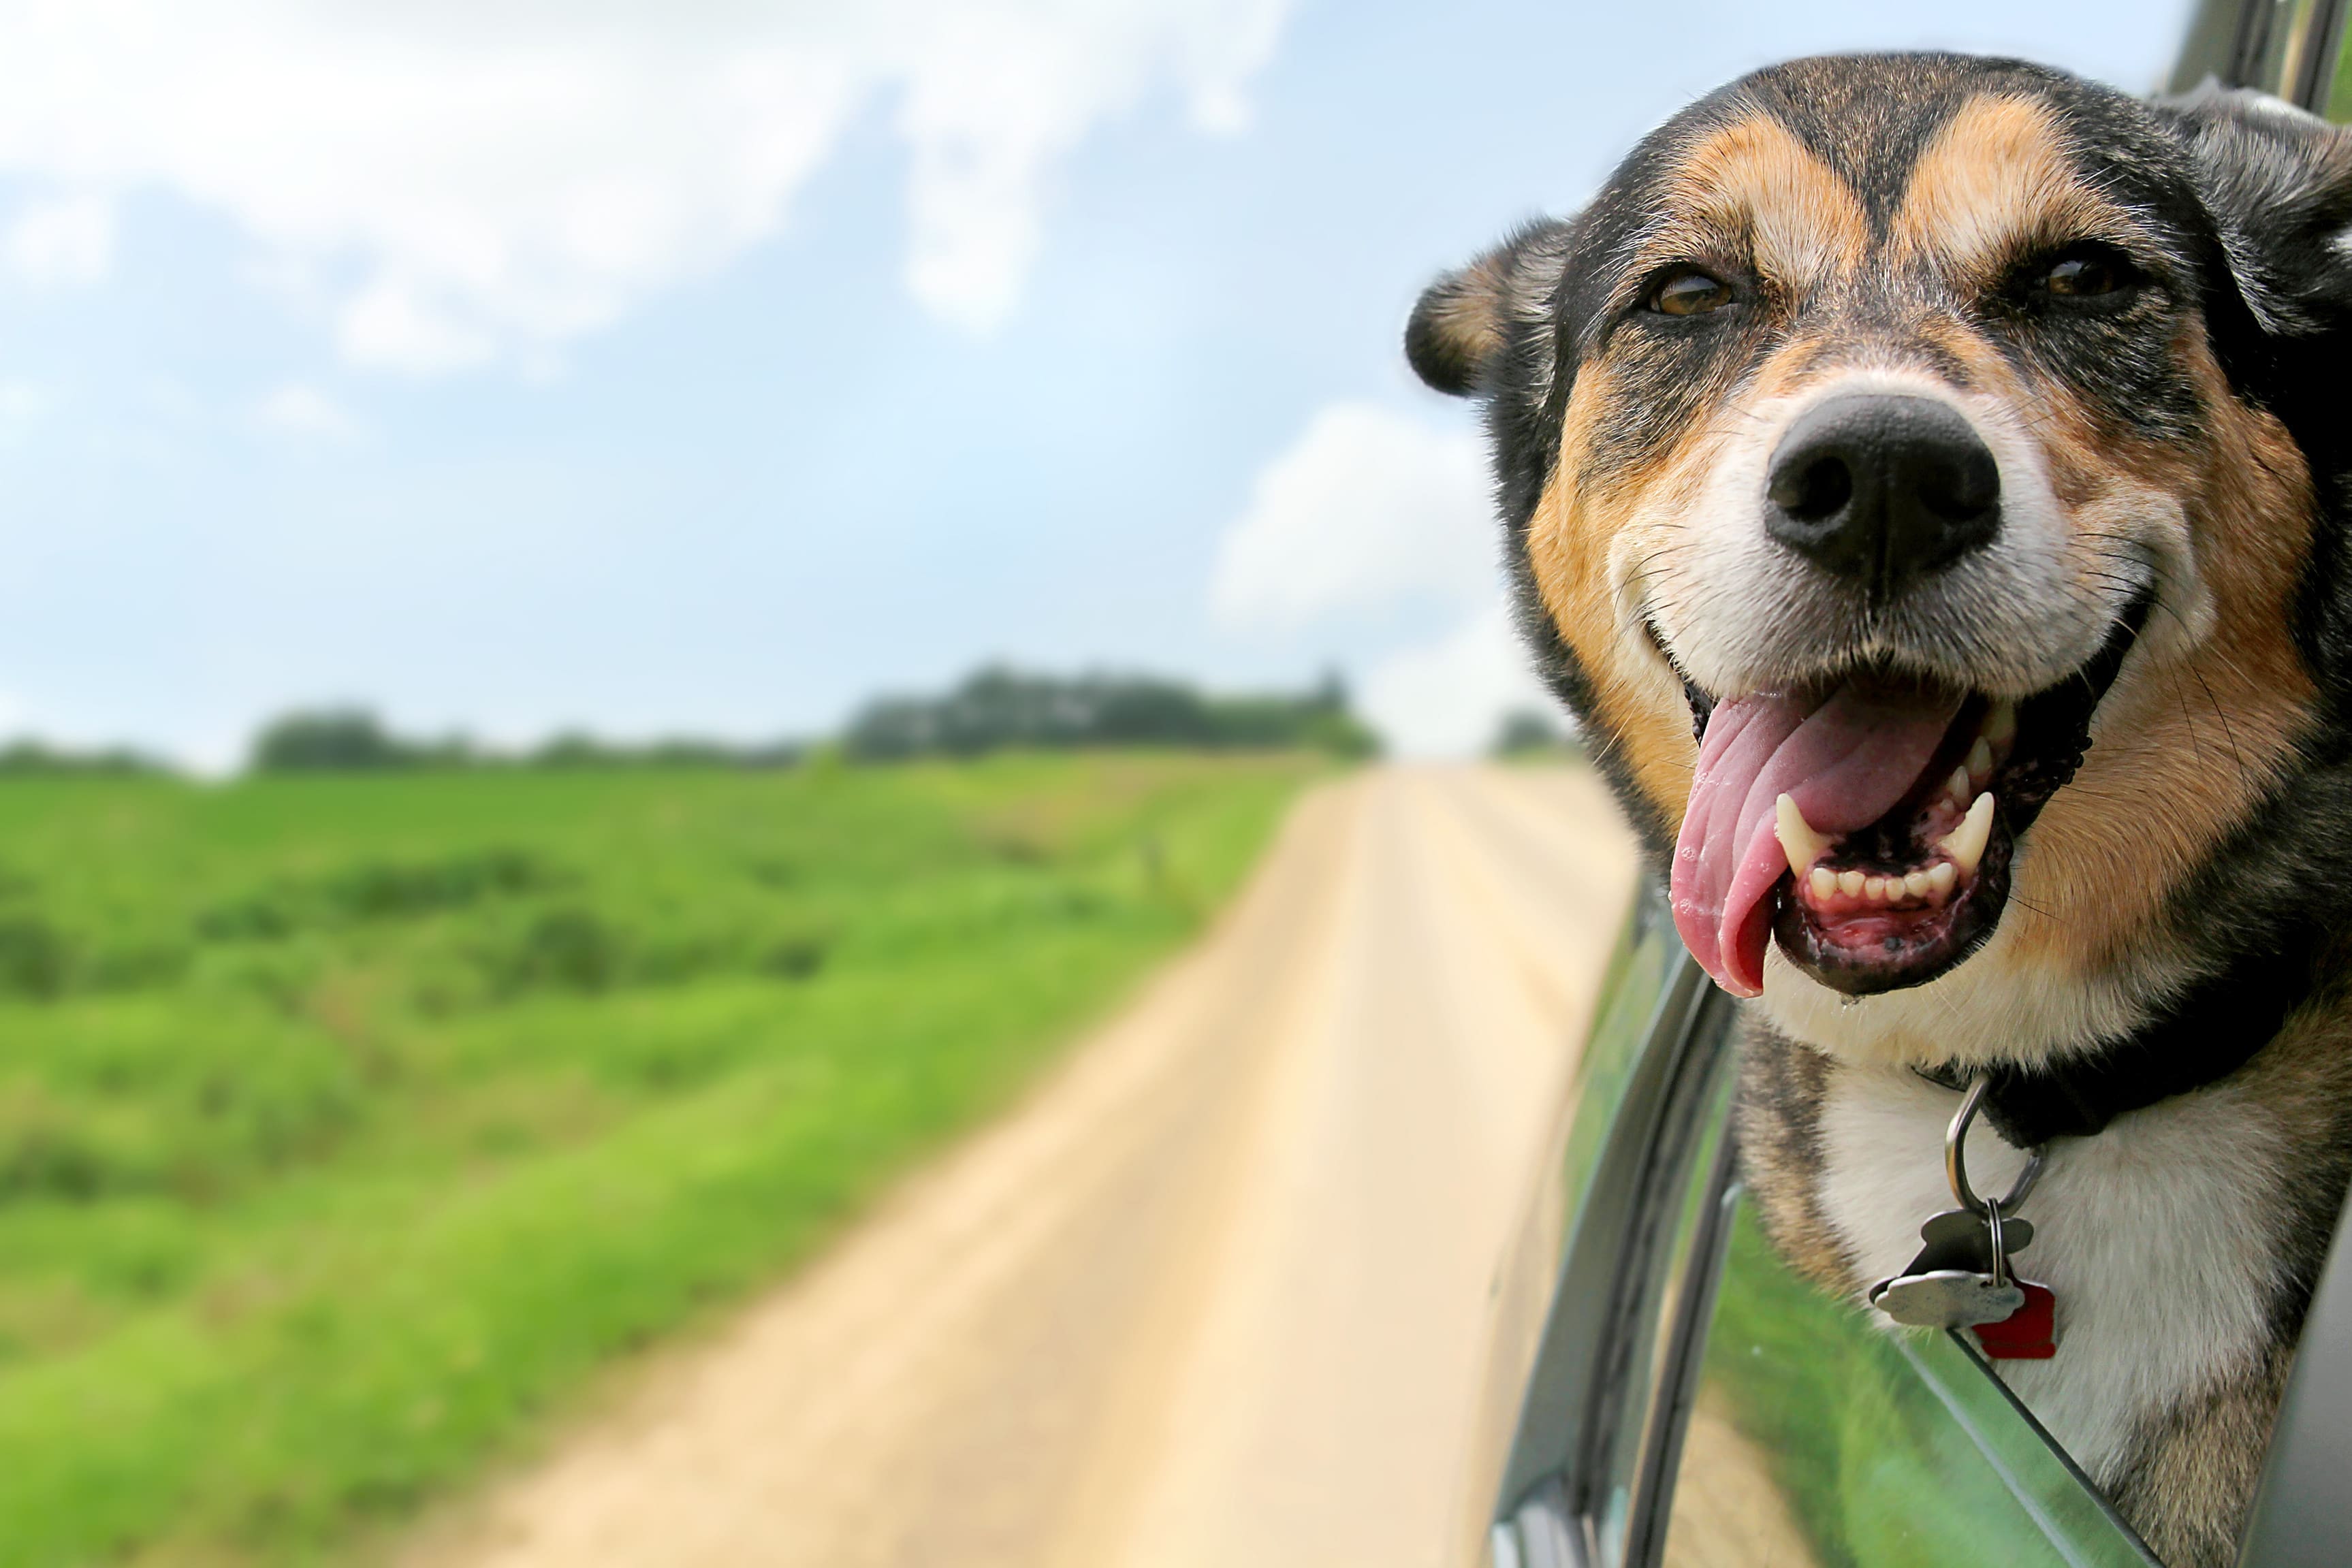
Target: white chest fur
[2156, 1236]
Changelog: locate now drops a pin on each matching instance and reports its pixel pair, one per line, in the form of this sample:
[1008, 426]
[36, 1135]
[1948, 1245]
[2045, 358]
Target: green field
[348, 1123]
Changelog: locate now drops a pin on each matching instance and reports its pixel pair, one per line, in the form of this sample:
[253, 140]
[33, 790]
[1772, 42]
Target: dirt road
[1213, 1297]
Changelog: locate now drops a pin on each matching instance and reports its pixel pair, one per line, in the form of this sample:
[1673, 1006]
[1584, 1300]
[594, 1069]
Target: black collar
[2208, 1033]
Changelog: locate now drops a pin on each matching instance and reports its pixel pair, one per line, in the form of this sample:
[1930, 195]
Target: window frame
[2292, 48]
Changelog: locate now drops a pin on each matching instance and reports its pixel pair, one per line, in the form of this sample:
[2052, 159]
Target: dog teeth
[2001, 724]
[1941, 877]
[1799, 842]
[1915, 884]
[1966, 844]
[1850, 882]
[1875, 888]
[1958, 786]
[1979, 761]
[1824, 883]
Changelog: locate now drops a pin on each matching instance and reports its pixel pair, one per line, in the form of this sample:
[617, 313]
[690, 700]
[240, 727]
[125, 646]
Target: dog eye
[1690, 292]
[2087, 273]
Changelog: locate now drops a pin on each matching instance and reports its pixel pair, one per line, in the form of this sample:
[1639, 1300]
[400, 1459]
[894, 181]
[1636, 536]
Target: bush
[564, 950]
[33, 959]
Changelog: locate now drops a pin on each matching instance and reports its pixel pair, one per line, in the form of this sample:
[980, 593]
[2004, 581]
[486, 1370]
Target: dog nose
[1883, 489]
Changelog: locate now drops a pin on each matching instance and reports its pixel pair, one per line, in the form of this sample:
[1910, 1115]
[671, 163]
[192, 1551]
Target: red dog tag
[2029, 1334]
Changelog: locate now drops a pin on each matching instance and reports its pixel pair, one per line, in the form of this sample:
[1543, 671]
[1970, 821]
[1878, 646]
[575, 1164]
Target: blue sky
[709, 368]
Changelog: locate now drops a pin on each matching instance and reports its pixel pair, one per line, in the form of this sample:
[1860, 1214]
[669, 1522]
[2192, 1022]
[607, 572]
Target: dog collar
[2203, 1036]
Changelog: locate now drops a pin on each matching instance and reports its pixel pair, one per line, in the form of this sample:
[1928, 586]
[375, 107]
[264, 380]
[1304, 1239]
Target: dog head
[1912, 469]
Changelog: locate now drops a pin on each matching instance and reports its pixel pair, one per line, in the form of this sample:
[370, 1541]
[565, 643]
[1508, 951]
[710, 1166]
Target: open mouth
[1867, 823]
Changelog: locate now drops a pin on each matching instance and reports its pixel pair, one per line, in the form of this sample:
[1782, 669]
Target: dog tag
[1956, 1281]
[1961, 1278]
[2030, 1334]
[1947, 1299]
[1960, 1239]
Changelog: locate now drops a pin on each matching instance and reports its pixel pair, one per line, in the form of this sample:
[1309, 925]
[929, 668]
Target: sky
[706, 368]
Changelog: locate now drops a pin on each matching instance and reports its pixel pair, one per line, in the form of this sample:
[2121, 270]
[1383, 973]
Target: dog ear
[2278, 183]
[1464, 321]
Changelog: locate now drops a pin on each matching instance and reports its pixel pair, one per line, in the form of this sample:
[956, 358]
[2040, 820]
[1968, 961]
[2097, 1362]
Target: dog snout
[1881, 490]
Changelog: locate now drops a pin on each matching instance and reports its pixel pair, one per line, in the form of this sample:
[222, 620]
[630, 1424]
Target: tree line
[996, 709]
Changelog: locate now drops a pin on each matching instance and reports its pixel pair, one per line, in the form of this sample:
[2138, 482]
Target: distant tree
[1529, 732]
[575, 750]
[41, 760]
[37, 758]
[997, 707]
[352, 739]
[347, 740]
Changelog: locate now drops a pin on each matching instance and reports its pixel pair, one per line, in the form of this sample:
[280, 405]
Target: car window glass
[1636, 1418]
[2334, 96]
[2284, 48]
[1648, 955]
[1816, 1440]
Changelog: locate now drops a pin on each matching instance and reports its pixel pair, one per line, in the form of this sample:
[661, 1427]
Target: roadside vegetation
[350, 1117]
[1535, 734]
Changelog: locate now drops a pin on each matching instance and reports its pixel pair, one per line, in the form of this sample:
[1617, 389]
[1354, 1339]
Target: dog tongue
[1847, 759]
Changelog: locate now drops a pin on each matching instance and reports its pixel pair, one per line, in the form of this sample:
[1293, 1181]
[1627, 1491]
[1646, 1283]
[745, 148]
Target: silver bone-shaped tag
[1957, 1280]
[1947, 1299]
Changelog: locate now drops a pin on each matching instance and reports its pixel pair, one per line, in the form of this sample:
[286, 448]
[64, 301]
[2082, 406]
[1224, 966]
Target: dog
[1924, 477]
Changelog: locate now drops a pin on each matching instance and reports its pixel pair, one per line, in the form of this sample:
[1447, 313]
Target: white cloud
[1367, 511]
[299, 409]
[1366, 508]
[63, 240]
[1447, 697]
[468, 182]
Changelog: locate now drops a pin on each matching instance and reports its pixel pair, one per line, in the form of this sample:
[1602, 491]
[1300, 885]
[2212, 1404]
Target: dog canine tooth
[1941, 876]
[1798, 841]
[1966, 844]
[1850, 882]
[1825, 882]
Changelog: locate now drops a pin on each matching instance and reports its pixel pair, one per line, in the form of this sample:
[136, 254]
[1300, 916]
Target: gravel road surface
[1217, 1295]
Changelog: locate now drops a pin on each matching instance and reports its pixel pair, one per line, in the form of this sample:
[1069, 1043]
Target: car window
[2332, 94]
[1637, 1183]
[1816, 1440]
[1695, 1403]
[1644, 1385]
[2296, 49]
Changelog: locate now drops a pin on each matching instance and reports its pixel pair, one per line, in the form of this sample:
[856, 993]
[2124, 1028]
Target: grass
[347, 1123]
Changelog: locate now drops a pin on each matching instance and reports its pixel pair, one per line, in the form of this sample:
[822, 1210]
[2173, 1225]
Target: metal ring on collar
[1956, 1164]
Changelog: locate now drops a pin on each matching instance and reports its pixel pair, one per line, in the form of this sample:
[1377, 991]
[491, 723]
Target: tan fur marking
[2189, 744]
[1470, 306]
[1569, 539]
[1783, 1087]
[1750, 192]
[1997, 178]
